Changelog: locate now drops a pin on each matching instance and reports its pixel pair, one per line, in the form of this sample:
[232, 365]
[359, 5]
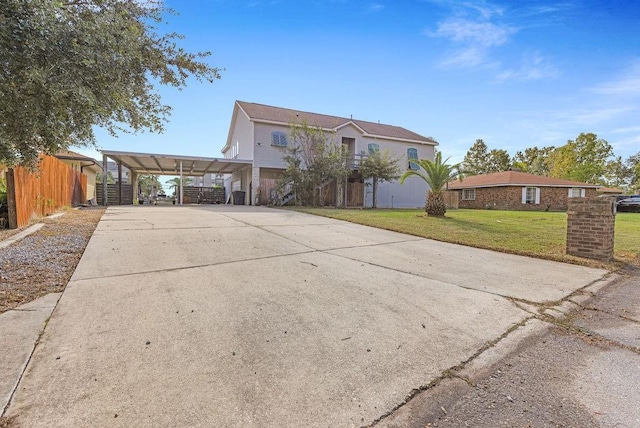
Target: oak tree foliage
[69, 65]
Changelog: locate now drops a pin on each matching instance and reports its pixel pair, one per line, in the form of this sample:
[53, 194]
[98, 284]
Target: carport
[162, 164]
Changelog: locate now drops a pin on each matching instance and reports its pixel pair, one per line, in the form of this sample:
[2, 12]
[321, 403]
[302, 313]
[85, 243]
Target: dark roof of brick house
[513, 178]
[265, 113]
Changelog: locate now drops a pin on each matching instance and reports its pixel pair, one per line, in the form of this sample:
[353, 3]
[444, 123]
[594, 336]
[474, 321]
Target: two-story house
[259, 133]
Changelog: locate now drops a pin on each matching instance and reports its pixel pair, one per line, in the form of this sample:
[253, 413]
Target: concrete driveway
[247, 316]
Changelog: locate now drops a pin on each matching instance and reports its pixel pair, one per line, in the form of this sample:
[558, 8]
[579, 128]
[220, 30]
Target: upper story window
[412, 157]
[576, 192]
[232, 152]
[373, 148]
[279, 139]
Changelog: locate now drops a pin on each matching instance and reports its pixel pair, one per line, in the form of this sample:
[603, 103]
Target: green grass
[536, 234]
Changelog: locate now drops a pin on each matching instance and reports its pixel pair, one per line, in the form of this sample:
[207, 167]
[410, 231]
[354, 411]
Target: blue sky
[515, 73]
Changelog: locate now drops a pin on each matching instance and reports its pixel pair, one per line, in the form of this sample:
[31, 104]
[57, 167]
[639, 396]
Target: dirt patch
[44, 261]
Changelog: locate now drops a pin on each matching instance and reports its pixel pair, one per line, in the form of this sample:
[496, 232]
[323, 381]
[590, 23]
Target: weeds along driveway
[248, 316]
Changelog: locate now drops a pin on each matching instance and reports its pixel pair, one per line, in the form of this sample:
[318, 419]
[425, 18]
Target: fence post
[105, 195]
[11, 199]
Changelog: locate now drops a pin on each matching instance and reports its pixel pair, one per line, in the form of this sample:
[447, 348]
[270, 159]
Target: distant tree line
[587, 159]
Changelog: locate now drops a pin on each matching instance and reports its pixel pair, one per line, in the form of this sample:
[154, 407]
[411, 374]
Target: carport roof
[160, 164]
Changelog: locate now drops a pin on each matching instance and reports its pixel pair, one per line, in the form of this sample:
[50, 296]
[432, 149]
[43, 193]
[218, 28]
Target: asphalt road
[248, 316]
[584, 372]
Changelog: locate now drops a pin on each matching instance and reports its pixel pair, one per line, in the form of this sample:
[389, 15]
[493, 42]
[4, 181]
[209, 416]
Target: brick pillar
[255, 187]
[590, 228]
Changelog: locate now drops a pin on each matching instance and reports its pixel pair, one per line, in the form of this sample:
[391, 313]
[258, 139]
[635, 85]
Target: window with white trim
[468, 194]
[373, 148]
[232, 152]
[412, 157]
[279, 139]
[576, 192]
[530, 195]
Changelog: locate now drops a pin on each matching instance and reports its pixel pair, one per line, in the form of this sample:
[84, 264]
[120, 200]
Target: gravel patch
[44, 261]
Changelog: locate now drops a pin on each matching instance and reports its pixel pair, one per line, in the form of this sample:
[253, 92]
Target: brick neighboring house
[514, 190]
[259, 133]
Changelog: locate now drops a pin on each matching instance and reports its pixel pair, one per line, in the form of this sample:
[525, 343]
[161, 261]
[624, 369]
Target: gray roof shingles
[261, 112]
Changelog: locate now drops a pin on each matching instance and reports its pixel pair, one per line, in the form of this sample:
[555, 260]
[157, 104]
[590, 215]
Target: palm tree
[437, 174]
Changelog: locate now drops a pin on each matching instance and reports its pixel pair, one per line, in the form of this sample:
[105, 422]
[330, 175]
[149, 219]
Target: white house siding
[91, 184]
[242, 135]
[408, 195]
[411, 194]
[266, 155]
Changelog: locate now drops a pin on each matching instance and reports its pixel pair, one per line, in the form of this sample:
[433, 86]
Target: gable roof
[69, 155]
[284, 116]
[513, 178]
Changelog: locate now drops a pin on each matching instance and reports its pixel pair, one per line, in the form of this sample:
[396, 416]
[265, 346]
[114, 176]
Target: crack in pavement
[28, 360]
[450, 373]
[591, 308]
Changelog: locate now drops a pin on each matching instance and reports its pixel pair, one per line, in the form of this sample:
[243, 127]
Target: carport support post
[119, 183]
[181, 194]
[105, 181]
[134, 182]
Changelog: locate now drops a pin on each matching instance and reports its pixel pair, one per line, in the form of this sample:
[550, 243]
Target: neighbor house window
[576, 192]
[530, 195]
[373, 148]
[279, 139]
[412, 157]
[468, 194]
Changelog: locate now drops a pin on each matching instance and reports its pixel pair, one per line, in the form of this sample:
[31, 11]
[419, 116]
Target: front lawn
[537, 234]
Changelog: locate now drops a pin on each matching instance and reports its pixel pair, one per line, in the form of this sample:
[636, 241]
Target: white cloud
[485, 34]
[628, 83]
[593, 115]
[473, 31]
[474, 38]
[626, 130]
[375, 7]
[485, 10]
[629, 144]
[532, 67]
[473, 56]
[544, 9]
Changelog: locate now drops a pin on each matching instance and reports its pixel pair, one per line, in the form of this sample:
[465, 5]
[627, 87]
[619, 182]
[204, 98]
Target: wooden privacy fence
[113, 194]
[202, 195]
[451, 198]
[35, 194]
[355, 195]
[266, 192]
